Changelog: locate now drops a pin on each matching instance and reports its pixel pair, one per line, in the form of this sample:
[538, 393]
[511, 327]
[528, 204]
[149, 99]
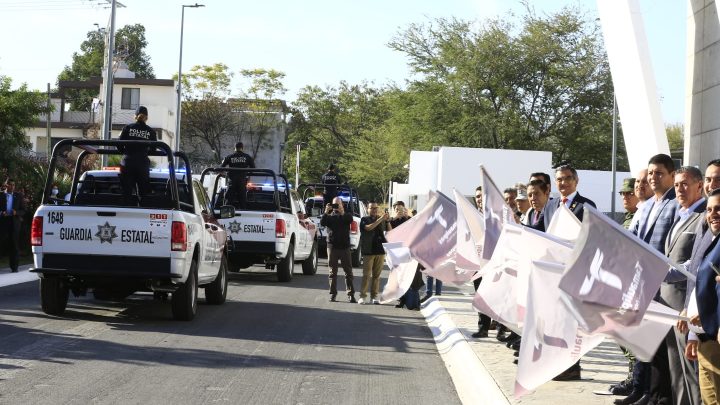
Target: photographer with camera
[337, 222]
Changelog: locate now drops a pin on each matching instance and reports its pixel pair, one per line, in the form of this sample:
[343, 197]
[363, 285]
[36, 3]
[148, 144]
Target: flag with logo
[431, 237]
[496, 213]
[564, 224]
[470, 229]
[552, 340]
[613, 275]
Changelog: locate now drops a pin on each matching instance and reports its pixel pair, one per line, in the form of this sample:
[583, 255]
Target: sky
[314, 42]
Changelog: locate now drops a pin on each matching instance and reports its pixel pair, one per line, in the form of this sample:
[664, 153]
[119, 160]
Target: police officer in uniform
[237, 189]
[135, 164]
[330, 177]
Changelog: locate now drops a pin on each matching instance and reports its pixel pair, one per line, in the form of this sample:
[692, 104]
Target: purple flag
[613, 275]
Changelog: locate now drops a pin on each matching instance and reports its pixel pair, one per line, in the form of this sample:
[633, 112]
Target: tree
[130, 44]
[329, 121]
[207, 117]
[543, 86]
[675, 136]
[261, 106]
[19, 109]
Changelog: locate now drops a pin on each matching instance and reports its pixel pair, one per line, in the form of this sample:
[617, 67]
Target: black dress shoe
[516, 353]
[515, 361]
[333, 297]
[14, 270]
[509, 339]
[399, 305]
[623, 388]
[482, 333]
[571, 374]
[425, 298]
[351, 299]
[516, 345]
[493, 325]
[644, 400]
[630, 399]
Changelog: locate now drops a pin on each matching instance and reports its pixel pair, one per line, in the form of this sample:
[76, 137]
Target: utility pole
[47, 122]
[108, 80]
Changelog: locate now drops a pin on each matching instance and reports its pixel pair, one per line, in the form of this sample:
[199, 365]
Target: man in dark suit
[12, 209]
[708, 291]
[566, 180]
[657, 215]
[673, 291]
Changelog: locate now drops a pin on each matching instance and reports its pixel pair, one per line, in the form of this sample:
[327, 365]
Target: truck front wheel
[184, 299]
[53, 295]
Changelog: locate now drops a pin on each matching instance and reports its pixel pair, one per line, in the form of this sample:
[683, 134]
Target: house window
[130, 99]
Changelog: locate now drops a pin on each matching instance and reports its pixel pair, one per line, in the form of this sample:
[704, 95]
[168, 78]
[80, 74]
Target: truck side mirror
[227, 211]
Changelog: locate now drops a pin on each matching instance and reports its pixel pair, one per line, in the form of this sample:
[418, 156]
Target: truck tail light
[280, 228]
[353, 227]
[36, 231]
[178, 241]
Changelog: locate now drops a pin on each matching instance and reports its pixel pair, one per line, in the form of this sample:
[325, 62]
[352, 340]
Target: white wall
[597, 186]
[423, 172]
[460, 167]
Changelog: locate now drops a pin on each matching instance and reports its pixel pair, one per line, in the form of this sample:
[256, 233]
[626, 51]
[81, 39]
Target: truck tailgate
[106, 231]
[251, 226]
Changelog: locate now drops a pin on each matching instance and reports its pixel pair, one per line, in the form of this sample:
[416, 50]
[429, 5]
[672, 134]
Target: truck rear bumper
[106, 266]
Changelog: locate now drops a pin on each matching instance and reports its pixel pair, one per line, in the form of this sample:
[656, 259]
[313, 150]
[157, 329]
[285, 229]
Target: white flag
[470, 229]
[564, 224]
[496, 213]
[398, 281]
[552, 340]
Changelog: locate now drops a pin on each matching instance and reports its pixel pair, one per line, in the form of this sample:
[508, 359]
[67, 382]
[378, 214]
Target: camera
[334, 206]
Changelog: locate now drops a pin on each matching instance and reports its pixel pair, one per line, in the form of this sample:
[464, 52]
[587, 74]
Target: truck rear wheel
[216, 292]
[309, 265]
[53, 295]
[286, 266]
[184, 299]
[356, 257]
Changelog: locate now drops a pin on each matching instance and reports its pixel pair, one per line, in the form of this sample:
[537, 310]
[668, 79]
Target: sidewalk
[483, 369]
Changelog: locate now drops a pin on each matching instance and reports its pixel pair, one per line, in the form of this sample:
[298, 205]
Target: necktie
[564, 200]
[535, 217]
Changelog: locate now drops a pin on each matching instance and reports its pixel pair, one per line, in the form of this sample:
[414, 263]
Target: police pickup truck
[168, 241]
[272, 228]
[313, 198]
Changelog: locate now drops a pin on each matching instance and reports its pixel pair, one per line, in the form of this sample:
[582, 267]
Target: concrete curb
[473, 382]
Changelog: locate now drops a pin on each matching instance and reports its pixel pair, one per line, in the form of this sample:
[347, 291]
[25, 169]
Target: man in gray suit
[678, 247]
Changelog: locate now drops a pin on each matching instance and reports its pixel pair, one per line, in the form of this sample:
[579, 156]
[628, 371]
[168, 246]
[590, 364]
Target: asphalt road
[270, 343]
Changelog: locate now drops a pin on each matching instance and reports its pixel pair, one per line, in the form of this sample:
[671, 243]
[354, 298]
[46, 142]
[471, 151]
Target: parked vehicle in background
[273, 228]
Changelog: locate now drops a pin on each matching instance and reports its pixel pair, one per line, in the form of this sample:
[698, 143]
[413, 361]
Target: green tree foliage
[19, 110]
[675, 136]
[130, 44]
[330, 121]
[543, 86]
[260, 107]
[207, 117]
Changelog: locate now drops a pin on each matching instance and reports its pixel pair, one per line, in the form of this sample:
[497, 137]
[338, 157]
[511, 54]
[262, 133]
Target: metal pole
[49, 136]
[107, 112]
[179, 85]
[297, 165]
[614, 156]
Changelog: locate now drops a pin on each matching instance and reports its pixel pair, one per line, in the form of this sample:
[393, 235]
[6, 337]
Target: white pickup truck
[168, 241]
[272, 228]
[313, 198]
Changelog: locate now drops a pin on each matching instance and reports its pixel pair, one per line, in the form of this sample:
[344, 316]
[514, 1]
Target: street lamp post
[179, 85]
[297, 163]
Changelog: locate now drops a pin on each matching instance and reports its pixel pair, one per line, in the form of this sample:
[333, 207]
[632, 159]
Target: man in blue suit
[708, 291]
[651, 381]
